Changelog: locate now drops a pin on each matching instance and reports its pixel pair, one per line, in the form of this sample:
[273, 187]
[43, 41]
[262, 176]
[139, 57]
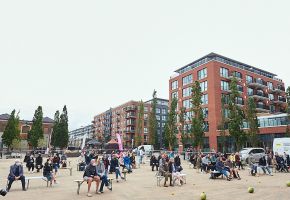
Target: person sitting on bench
[263, 164]
[221, 168]
[16, 173]
[90, 176]
[48, 171]
[101, 172]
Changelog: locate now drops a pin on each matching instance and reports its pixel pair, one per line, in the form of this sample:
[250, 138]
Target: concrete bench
[27, 180]
[80, 182]
[68, 168]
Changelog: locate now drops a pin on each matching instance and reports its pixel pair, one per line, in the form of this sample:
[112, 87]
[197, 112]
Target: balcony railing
[280, 100]
[262, 108]
[257, 83]
[130, 108]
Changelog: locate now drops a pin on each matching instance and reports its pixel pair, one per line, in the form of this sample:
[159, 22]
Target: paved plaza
[141, 185]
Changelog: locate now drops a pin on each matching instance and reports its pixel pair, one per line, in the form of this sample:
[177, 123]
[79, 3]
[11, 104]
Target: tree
[197, 127]
[11, 131]
[184, 134]
[63, 129]
[222, 125]
[152, 122]
[236, 116]
[36, 131]
[55, 136]
[288, 112]
[140, 123]
[171, 126]
[252, 119]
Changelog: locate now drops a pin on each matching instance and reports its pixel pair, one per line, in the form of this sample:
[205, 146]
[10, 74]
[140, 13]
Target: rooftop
[44, 120]
[229, 61]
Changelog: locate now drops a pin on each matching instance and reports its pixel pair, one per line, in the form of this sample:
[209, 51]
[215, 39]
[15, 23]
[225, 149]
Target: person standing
[30, 164]
[38, 163]
[16, 173]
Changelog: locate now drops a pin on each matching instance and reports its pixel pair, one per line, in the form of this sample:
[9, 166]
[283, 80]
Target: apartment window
[205, 112]
[249, 79]
[226, 113]
[145, 116]
[226, 98]
[238, 75]
[186, 92]
[225, 86]
[271, 97]
[250, 91]
[224, 72]
[174, 95]
[270, 85]
[158, 111]
[203, 86]
[188, 115]
[163, 125]
[187, 80]
[158, 117]
[163, 118]
[158, 124]
[202, 73]
[145, 109]
[239, 100]
[164, 111]
[174, 85]
[187, 104]
[204, 99]
[240, 88]
[145, 130]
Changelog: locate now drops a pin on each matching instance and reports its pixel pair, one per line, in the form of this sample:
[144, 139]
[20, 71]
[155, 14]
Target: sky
[92, 55]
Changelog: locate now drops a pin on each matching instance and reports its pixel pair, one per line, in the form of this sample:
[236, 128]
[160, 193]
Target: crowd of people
[49, 168]
[97, 167]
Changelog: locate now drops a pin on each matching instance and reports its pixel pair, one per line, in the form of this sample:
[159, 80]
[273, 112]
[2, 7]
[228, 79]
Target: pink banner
[120, 142]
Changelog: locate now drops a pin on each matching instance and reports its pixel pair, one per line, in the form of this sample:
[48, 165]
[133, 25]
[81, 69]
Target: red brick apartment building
[25, 126]
[123, 120]
[214, 72]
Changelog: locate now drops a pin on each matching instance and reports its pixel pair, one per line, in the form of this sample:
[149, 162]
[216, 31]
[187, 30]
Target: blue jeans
[224, 172]
[105, 182]
[254, 170]
[118, 173]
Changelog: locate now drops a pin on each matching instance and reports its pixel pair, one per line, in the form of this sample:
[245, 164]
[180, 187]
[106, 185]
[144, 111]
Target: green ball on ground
[202, 196]
[288, 183]
[251, 190]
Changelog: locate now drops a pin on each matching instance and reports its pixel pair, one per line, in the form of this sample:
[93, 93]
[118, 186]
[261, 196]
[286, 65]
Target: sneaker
[97, 192]
[89, 195]
[101, 192]
[109, 188]
[24, 189]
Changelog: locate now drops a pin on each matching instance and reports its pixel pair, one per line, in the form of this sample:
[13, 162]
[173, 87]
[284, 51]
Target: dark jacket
[262, 162]
[90, 171]
[114, 164]
[13, 171]
[219, 166]
[38, 160]
[177, 161]
[47, 169]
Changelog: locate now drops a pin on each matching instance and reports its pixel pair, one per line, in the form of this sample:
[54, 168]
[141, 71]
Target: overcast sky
[92, 55]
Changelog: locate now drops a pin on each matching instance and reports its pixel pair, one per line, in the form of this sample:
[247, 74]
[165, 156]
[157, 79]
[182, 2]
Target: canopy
[94, 142]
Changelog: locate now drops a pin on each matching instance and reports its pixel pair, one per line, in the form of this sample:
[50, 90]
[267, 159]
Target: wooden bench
[69, 168]
[80, 182]
[27, 180]
[158, 178]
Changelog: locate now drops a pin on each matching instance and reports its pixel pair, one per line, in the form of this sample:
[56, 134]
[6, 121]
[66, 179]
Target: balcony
[129, 131]
[131, 115]
[258, 83]
[236, 75]
[280, 100]
[262, 108]
[259, 95]
[279, 89]
[130, 108]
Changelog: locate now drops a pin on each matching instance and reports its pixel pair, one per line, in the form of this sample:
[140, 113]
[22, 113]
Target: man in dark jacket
[16, 173]
[264, 165]
[90, 176]
[38, 163]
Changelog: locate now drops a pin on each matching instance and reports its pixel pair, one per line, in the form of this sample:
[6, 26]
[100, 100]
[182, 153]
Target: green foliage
[16, 144]
[11, 131]
[184, 134]
[55, 136]
[222, 124]
[140, 122]
[171, 126]
[252, 119]
[152, 123]
[63, 129]
[197, 127]
[236, 117]
[36, 131]
[41, 142]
